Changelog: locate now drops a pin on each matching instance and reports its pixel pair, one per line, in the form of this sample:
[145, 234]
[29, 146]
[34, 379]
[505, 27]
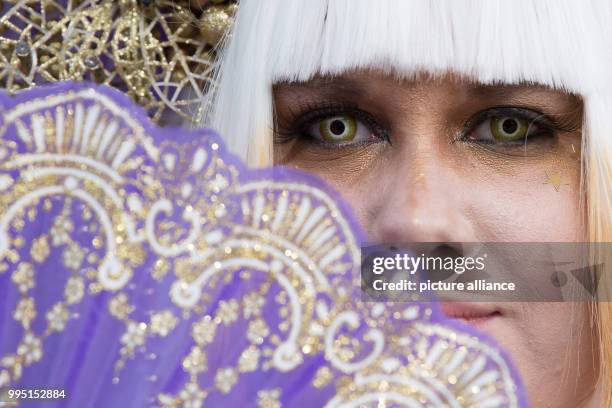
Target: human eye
[339, 129]
[508, 126]
[335, 127]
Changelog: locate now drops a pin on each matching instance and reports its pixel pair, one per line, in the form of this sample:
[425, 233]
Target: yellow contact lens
[338, 129]
[506, 129]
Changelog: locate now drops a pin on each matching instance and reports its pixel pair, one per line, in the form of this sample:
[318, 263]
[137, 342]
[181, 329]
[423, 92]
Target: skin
[420, 184]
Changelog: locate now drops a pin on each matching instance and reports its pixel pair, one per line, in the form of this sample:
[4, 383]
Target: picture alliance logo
[531, 271]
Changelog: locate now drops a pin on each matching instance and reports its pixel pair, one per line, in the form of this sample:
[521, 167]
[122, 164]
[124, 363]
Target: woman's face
[446, 160]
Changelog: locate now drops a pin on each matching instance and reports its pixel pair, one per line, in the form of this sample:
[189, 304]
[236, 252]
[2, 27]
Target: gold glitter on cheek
[555, 180]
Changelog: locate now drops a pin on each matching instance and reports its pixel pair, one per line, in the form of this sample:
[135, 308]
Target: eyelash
[313, 113]
[548, 124]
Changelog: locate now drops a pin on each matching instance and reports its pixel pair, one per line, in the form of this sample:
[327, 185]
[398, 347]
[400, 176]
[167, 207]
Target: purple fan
[147, 267]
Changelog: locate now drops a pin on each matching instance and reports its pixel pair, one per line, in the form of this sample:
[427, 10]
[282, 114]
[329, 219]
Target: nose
[423, 201]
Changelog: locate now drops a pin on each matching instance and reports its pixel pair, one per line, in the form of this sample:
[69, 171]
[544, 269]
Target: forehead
[559, 43]
[372, 88]
[363, 83]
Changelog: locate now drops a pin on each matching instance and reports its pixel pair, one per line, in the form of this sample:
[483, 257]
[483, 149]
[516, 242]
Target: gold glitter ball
[215, 21]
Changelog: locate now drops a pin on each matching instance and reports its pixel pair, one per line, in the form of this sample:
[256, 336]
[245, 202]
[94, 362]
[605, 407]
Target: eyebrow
[350, 89]
[507, 90]
[336, 87]
[343, 86]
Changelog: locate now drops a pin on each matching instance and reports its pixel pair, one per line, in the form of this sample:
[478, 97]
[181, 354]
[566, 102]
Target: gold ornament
[555, 180]
[215, 20]
[159, 52]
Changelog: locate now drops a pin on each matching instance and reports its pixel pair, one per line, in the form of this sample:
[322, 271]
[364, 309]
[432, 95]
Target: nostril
[442, 251]
[446, 250]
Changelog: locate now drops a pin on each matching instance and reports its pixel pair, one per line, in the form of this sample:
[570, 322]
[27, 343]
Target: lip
[474, 314]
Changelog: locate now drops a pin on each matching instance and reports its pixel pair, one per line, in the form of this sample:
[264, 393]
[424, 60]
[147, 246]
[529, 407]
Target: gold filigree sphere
[159, 52]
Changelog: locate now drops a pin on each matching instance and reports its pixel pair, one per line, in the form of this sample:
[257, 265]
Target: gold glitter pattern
[159, 52]
[555, 180]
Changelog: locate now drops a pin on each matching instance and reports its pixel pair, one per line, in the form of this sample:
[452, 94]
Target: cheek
[352, 173]
[537, 204]
[494, 197]
[524, 207]
[556, 357]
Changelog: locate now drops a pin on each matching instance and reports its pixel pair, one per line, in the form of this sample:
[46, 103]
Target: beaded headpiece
[159, 52]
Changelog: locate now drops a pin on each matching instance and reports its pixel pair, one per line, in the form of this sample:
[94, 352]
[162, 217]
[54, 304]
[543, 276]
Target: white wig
[563, 44]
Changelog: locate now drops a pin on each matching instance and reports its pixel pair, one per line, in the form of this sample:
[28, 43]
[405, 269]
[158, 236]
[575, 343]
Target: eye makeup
[309, 119]
[335, 116]
[499, 128]
[516, 130]
[510, 119]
